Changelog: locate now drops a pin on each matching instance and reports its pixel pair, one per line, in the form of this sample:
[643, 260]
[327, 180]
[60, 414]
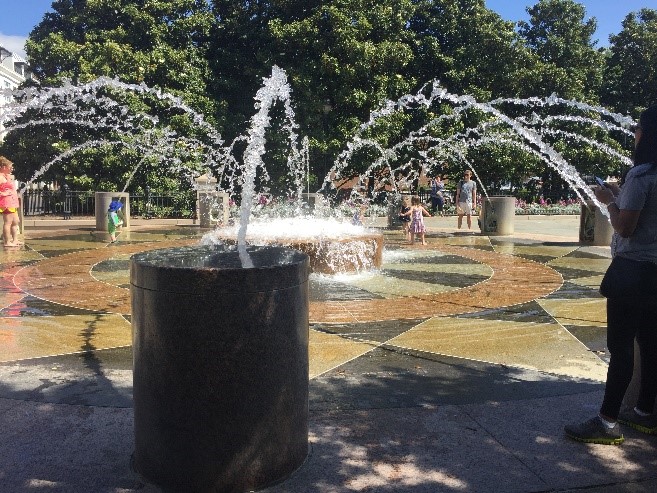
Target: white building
[14, 70]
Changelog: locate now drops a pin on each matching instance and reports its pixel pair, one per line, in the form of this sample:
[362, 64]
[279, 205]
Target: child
[113, 219]
[9, 203]
[417, 222]
[359, 216]
[404, 218]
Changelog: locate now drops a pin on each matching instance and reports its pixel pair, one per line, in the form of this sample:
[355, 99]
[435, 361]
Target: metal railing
[150, 205]
[67, 203]
[63, 202]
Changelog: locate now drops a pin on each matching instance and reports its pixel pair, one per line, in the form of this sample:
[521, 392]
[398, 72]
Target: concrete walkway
[470, 396]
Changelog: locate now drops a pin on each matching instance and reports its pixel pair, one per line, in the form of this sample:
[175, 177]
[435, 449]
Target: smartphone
[600, 181]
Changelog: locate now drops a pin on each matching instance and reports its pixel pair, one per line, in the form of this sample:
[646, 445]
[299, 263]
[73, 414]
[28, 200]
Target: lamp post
[148, 213]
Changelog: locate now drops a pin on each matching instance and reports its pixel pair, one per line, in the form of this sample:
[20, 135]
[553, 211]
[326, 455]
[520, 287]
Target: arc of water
[592, 122]
[593, 143]
[73, 99]
[624, 121]
[461, 103]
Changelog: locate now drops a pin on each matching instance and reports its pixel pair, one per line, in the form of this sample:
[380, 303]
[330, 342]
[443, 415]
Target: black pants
[437, 204]
[627, 319]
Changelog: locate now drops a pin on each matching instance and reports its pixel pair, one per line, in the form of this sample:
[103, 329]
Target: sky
[18, 17]
[609, 14]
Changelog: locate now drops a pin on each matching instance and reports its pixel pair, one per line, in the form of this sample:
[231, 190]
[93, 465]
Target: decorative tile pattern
[497, 301]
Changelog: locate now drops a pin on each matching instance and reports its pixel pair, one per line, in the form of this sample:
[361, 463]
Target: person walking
[466, 198]
[9, 203]
[629, 286]
[436, 194]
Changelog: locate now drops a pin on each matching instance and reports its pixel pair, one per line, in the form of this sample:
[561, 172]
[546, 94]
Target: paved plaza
[453, 368]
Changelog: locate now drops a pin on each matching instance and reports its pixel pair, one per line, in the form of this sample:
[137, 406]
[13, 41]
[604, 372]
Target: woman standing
[9, 203]
[629, 285]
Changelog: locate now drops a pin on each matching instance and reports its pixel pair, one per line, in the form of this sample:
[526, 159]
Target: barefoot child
[9, 203]
[417, 221]
[113, 219]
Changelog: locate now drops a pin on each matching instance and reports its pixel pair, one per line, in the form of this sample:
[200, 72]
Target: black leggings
[628, 318]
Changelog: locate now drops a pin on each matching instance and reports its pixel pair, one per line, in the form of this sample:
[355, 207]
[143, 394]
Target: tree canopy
[344, 59]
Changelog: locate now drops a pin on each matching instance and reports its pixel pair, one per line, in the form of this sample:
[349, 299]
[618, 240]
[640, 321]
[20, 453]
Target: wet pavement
[452, 368]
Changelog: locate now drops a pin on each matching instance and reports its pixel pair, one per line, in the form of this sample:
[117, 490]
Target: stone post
[213, 207]
[394, 208]
[312, 200]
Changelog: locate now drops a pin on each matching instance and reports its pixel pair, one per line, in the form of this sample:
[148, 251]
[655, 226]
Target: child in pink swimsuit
[417, 214]
[9, 203]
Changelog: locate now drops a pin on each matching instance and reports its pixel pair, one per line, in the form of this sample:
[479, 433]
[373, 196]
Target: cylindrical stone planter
[220, 367]
[103, 200]
[594, 226]
[497, 215]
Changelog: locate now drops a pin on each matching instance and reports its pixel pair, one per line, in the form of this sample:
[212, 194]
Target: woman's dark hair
[646, 149]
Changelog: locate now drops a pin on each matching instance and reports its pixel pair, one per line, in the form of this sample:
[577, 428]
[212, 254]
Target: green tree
[161, 43]
[343, 59]
[631, 69]
[469, 48]
[561, 37]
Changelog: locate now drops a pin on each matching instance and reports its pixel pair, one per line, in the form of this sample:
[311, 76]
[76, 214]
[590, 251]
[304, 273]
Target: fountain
[333, 246]
[238, 416]
[220, 372]
[220, 394]
[528, 124]
[198, 362]
[497, 125]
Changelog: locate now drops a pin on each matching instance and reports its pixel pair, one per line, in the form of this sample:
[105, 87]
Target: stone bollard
[220, 367]
[212, 206]
[594, 226]
[312, 201]
[103, 200]
[497, 215]
[213, 209]
[394, 208]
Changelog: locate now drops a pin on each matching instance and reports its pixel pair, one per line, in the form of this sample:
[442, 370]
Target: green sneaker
[645, 424]
[595, 431]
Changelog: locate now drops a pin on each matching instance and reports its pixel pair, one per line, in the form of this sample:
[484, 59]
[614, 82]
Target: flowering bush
[266, 206]
[570, 206]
